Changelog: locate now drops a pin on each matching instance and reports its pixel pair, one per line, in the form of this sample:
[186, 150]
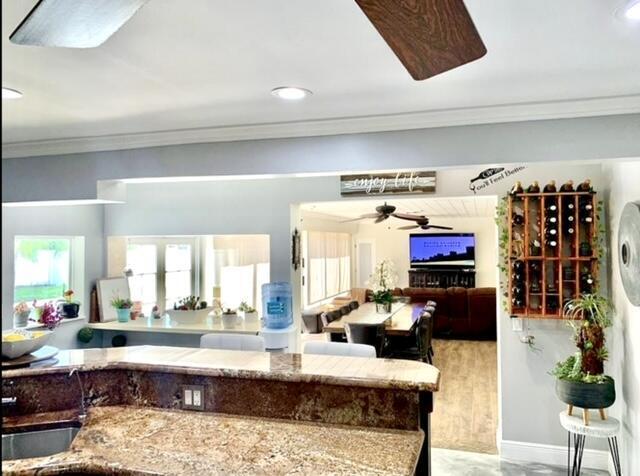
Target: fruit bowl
[189, 317]
[19, 342]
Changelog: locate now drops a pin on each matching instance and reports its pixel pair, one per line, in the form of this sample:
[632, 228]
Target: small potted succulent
[21, 315]
[247, 312]
[68, 308]
[581, 381]
[122, 307]
[229, 318]
[189, 310]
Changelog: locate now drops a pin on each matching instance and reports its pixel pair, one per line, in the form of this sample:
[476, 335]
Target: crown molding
[352, 125]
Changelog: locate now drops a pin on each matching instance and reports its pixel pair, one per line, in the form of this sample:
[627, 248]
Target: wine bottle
[567, 186]
[551, 220]
[535, 249]
[517, 219]
[550, 187]
[534, 187]
[550, 208]
[585, 186]
[586, 281]
[518, 265]
[516, 189]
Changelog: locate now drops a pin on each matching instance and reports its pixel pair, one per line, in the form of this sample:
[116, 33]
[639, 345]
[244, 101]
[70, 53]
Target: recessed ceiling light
[8, 93]
[632, 10]
[291, 93]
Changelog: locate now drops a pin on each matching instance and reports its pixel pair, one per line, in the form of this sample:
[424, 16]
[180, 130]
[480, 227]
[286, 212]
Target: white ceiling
[209, 63]
[453, 207]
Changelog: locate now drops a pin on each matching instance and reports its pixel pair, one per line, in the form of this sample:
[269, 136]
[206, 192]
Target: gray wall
[84, 221]
[75, 176]
[623, 338]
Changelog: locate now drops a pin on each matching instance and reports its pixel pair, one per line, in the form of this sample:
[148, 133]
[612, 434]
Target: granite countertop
[327, 369]
[134, 440]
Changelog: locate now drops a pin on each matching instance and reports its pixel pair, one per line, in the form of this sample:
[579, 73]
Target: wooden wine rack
[559, 270]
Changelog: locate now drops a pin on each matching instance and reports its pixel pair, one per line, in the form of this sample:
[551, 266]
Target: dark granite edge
[232, 373]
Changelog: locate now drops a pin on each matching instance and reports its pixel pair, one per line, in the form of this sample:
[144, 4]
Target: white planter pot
[189, 317]
[229, 321]
[251, 316]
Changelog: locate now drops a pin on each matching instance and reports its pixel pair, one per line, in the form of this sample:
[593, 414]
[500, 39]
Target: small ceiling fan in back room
[429, 37]
[385, 211]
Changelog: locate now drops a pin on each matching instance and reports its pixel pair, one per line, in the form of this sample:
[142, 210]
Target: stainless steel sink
[33, 444]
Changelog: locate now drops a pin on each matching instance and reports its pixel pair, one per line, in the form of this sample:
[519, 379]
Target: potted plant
[21, 315]
[189, 310]
[49, 316]
[68, 308]
[581, 381]
[229, 318]
[248, 313]
[123, 308]
[382, 282]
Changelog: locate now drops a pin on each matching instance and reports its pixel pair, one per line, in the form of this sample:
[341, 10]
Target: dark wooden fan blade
[438, 227]
[74, 23]
[409, 227]
[405, 216]
[429, 37]
[381, 218]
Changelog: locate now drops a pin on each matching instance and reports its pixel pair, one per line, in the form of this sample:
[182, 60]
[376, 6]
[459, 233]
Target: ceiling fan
[429, 37]
[421, 222]
[382, 213]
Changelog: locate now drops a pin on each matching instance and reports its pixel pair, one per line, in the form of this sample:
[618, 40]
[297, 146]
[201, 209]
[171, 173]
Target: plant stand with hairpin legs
[577, 428]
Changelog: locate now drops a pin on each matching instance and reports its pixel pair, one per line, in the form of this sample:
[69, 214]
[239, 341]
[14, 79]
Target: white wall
[393, 244]
[624, 338]
[84, 220]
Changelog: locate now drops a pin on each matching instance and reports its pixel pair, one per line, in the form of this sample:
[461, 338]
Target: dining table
[402, 320]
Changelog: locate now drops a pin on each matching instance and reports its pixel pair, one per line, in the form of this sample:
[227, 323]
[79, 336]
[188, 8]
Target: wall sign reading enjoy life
[388, 184]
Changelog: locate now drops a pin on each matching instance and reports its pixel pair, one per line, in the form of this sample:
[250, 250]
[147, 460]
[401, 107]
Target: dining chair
[339, 348]
[425, 334]
[354, 305]
[232, 342]
[329, 317]
[366, 334]
[346, 309]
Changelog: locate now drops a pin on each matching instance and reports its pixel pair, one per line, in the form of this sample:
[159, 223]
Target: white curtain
[241, 267]
[329, 264]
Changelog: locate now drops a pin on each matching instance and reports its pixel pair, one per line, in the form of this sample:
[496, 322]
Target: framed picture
[295, 249]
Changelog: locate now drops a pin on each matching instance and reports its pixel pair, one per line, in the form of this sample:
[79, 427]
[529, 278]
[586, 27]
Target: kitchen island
[262, 413]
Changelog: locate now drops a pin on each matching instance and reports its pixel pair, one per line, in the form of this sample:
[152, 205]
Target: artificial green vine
[502, 223]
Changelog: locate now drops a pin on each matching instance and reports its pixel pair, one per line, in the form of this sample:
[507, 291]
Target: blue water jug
[277, 305]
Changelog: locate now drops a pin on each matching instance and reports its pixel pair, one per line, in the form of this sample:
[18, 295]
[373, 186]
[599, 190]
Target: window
[42, 268]
[164, 270]
[241, 267]
[328, 265]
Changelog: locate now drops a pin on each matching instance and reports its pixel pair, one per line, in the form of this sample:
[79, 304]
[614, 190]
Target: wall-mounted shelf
[552, 246]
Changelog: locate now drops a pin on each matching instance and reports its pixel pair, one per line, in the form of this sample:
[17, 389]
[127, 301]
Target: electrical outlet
[516, 324]
[193, 397]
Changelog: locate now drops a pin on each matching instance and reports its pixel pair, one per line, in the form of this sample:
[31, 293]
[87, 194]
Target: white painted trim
[549, 454]
[350, 125]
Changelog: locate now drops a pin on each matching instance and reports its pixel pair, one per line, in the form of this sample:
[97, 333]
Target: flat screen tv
[442, 249]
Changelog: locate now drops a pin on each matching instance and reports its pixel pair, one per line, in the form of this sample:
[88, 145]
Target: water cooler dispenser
[277, 311]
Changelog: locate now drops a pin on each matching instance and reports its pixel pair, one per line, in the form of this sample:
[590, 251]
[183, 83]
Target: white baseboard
[549, 454]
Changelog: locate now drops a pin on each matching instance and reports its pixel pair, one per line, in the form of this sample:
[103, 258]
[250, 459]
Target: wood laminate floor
[465, 412]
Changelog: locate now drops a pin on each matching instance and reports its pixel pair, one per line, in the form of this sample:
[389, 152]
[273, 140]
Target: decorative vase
[123, 314]
[21, 319]
[68, 310]
[229, 321]
[383, 307]
[586, 395]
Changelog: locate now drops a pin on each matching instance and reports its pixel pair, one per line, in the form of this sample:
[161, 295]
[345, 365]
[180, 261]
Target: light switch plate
[516, 324]
[193, 397]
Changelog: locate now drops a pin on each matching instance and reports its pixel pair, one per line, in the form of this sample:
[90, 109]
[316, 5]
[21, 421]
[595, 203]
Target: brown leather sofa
[461, 313]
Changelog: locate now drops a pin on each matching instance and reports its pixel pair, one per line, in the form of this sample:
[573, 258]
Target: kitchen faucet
[73, 371]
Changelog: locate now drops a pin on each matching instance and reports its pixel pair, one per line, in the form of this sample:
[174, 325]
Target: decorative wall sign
[491, 176]
[388, 184]
[295, 249]
[629, 251]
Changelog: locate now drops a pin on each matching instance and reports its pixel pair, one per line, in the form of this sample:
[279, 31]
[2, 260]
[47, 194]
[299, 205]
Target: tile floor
[461, 463]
